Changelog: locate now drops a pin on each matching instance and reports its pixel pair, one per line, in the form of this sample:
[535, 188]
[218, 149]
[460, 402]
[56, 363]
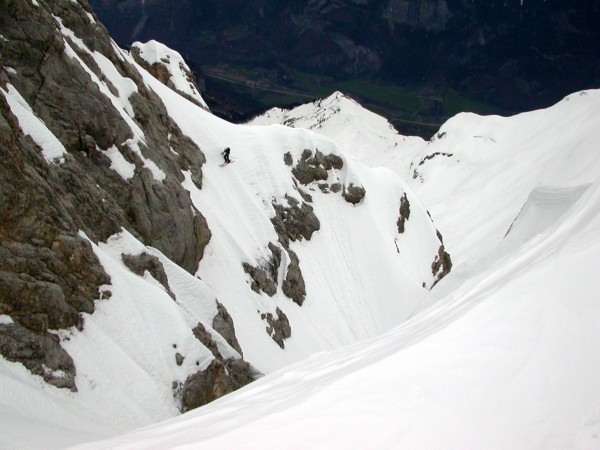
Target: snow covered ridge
[169, 67]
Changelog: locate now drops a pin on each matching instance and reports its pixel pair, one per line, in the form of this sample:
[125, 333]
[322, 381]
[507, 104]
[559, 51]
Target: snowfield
[508, 358]
[502, 353]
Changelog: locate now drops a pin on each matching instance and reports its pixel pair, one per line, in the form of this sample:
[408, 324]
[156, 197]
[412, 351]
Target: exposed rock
[139, 264]
[310, 169]
[294, 222]
[52, 285]
[41, 354]
[404, 213]
[179, 358]
[335, 188]
[205, 386]
[293, 286]
[354, 194]
[287, 159]
[278, 326]
[223, 324]
[260, 280]
[62, 94]
[240, 373]
[204, 336]
[167, 69]
[442, 265]
[222, 375]
[49, 273]
[305, 196]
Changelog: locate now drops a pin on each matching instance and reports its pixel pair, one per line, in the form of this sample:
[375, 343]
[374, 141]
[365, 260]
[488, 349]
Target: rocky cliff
[111, 170]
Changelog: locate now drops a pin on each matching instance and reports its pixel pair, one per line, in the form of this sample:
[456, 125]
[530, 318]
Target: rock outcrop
[167, 66]
[404, 213]
[278, 326]
[442, 265]
[294, 222]
[140, 264]
[100, 156]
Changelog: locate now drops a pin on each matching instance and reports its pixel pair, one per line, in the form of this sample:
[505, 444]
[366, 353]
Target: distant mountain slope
[514, 55]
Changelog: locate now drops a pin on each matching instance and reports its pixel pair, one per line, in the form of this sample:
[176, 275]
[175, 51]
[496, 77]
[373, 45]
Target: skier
[226, 155]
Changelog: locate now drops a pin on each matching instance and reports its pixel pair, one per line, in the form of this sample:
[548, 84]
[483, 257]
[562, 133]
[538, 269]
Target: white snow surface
[508, 358]
[504, 353]
[153, 52]
[52, 149]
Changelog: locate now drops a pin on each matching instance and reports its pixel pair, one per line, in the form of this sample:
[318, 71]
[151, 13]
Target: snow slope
[508, 358]
[362, 276]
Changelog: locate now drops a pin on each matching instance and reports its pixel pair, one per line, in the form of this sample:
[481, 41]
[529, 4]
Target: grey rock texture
[294, 222]
[261, 280]
[278, 326]
[205, 386]
[41, 353]
[354, 194]
[404, 213]
[314, 168]
[139, 264]
[49, 273]
[442, 265]
[222, 375]
[70, 103]
[223, 324]
[204, 336]
[293, 286]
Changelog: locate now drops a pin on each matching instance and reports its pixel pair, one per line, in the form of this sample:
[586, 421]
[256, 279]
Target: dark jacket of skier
[226, 154]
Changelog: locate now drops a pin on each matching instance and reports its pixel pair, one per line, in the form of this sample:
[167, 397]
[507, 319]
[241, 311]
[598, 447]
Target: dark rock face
[354, 194]
[404, 213]
[204, 336]
[293, 286]
[222, 376]
[223, 324]
[261, 281]
[205, 386]
[71, 104]
[49, 273]
[139, 264]
[41, 353]
[442, 265]
[314, 168]
[278, 326]
[294, 222]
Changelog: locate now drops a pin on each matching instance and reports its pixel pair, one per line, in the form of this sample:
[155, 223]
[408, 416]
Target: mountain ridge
[511, 56]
